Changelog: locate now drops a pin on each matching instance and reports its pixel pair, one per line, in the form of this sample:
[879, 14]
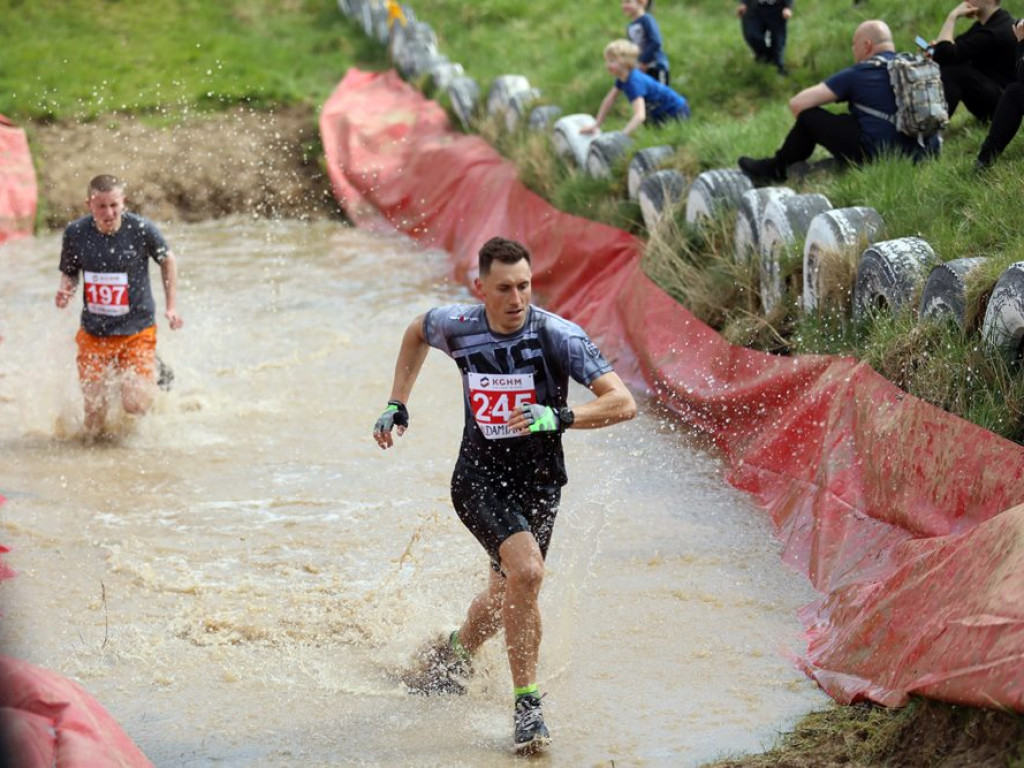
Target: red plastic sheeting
[18, 192]
[893, 508]
[49, 721]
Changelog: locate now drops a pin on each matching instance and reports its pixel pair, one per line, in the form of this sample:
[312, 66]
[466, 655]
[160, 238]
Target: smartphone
[923, 44]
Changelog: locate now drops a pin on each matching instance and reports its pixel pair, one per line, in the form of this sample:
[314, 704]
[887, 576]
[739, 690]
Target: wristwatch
[566, 417]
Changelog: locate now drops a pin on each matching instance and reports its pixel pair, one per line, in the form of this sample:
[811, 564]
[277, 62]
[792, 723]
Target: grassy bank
[81, 59]
[740, 109]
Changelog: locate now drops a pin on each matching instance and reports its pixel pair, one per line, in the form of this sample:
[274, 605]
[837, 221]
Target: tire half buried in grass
[889, 273]
[464, 95]
[503, 88]
[834, 241]
[783, 225]
[569, 142]
[1003, 327]
[604, 150]
[746, 236]
[715, 191]
[644, 163]
[658, 193]
[945, 291]
[544, 116]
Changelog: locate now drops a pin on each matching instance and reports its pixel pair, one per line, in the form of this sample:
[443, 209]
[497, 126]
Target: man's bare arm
[169, 277]
[814, 96]
[613, 403]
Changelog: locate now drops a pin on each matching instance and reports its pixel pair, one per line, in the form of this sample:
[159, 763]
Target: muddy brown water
[237, 576]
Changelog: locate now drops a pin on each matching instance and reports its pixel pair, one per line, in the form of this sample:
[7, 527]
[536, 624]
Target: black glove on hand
[396, 414]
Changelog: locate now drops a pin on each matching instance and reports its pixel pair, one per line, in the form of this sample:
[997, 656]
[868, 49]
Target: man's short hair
[623, 51]
[105, 183]
[503, 250]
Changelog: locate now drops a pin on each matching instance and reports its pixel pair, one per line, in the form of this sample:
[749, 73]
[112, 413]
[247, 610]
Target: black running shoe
[762, 171]
[531, 733]
[164, 375]
[438, 670]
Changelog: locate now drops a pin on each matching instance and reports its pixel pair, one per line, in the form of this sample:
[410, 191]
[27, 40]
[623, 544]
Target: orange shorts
[99, 354]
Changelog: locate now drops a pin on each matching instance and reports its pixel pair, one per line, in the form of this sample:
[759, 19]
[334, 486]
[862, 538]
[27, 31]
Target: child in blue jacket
[643, 30]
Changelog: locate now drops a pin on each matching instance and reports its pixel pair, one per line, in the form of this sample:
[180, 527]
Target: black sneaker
[765, 170]
[164, 375]
[531, 734]
[438, 669]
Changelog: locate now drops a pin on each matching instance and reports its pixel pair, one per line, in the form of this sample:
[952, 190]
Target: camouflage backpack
[920, 101]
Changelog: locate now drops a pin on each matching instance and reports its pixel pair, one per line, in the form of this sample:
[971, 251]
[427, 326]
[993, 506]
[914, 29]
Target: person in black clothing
[853, 137]
[977, 65]
[1009, 111]
[764, 29]
[515, 361]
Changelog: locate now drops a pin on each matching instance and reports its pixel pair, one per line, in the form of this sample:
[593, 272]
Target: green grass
[79, 59]
[738, 109]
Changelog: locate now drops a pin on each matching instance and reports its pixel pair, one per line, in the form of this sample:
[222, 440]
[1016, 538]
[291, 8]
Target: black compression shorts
[493, 506]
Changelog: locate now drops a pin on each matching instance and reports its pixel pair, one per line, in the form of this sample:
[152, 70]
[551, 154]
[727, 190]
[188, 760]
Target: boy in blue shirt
[650, 100]
[643, 30]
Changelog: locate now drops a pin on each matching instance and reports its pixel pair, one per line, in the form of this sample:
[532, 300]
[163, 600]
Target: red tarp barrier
[892, 507]
[17, 183]
[47, 720]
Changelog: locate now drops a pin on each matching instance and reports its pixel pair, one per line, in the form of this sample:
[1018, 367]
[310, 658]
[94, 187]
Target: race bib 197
[494, 397]
[106, 293]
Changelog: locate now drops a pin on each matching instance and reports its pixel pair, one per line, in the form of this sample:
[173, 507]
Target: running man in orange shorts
[110, 249]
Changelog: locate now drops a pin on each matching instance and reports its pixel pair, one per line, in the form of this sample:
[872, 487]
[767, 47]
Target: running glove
[541, 418]
[395, 414]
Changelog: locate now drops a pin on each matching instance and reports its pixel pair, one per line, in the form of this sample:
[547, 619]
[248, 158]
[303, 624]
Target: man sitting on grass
[852, 137]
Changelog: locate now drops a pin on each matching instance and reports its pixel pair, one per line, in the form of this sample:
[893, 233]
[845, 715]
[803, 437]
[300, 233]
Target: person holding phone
[1009, 111]
[977, 64]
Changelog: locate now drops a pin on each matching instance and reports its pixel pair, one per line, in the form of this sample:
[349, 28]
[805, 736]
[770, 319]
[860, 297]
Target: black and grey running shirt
[502, 372]
[116, 288]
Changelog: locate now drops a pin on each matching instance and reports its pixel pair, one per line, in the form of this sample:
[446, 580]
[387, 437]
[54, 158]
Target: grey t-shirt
[114, 270]
[501, 372]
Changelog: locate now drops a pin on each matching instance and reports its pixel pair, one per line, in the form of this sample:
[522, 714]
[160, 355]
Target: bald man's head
[870, 38]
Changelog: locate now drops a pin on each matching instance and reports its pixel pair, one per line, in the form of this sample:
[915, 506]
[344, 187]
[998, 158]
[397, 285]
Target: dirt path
[200, 167]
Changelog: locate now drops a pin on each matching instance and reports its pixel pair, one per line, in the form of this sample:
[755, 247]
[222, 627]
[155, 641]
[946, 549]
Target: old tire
[604, 150]
[519, 105]
[945, 291]
[503, 88]
[569, 142]
[644, 163]
[836, 234]
[443, 74]
[544, 116]
[658, 193]
[746, 237]
[350, 8]
[888, 274]
[416, 58]
[1003, 327]
[413, 32]
[715, 191]
[464, 95]
[379, 23]
[783, 224]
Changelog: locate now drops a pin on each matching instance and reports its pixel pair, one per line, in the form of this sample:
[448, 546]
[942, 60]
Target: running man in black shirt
[515, 360]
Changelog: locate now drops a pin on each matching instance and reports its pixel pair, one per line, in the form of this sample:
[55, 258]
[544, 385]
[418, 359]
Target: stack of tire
[770, 222]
